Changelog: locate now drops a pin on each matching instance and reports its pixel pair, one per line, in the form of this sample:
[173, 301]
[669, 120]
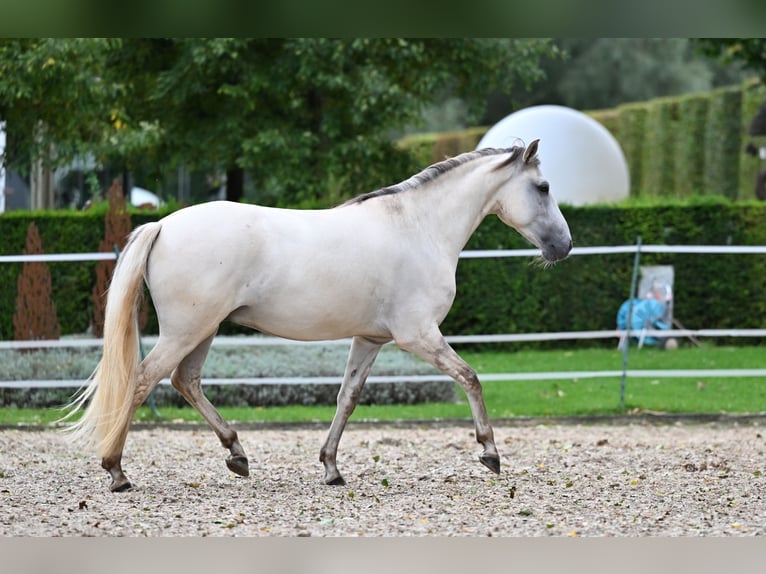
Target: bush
[233, 362]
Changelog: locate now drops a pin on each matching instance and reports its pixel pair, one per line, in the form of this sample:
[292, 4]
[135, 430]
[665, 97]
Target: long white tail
[111, 387]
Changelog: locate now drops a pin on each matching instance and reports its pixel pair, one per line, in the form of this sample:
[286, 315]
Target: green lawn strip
[569, 397]
[566, 397]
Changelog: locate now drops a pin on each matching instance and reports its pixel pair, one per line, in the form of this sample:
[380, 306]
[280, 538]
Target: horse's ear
[531, 151]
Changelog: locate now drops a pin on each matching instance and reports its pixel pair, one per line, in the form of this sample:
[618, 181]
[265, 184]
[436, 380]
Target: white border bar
[55, 257]
[611, 250]
[496, 377]
[472, 254]
[263, 341]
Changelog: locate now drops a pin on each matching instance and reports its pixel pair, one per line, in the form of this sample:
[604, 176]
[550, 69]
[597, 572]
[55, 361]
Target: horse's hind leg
[187, 380]
[434, 349]
[157, 365]
[360, 359]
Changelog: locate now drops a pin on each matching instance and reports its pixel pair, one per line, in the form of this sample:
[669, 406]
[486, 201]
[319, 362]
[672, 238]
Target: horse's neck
[453, 207]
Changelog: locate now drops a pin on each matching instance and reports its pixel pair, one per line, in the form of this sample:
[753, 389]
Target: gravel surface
[623, 479]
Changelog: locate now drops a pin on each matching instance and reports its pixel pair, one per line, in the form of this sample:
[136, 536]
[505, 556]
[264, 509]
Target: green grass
[584, 397]
[602, 396]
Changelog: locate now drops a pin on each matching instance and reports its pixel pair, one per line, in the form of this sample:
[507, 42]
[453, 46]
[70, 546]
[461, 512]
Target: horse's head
[525, 202]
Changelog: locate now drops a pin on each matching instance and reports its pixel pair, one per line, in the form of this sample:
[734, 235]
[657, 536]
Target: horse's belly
[306, 321]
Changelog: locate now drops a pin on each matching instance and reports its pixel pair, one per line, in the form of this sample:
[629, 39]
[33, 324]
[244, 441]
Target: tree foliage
[604, 72]
[305, 116]
[61, 100]
[748, 52]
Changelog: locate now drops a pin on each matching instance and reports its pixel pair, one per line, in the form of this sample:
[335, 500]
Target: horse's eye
[543, 187]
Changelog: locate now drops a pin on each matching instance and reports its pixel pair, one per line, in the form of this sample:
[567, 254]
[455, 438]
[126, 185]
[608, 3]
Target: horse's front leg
[360, 359]
[434, 349]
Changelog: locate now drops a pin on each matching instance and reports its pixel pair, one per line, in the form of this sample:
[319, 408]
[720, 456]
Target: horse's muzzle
[553, 252]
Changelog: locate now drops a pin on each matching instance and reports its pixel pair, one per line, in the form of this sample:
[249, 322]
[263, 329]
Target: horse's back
[300, 274]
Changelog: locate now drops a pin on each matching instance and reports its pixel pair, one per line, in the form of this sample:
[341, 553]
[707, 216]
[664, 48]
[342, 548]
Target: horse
[377, 268]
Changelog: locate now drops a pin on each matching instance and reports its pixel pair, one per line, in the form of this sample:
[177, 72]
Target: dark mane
[432, 172]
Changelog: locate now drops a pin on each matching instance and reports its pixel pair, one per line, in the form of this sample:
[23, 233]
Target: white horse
[379, 268]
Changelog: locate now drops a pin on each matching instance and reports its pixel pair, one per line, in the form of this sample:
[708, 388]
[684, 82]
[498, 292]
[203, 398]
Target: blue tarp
[647, 314]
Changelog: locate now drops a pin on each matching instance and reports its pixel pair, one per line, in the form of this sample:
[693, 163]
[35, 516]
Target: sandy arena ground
[557, 479]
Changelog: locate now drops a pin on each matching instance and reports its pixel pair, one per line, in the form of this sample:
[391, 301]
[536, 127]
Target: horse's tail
[111, 387]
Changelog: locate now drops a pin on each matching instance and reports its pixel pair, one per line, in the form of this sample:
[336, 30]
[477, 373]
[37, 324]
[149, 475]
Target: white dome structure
[578, 156]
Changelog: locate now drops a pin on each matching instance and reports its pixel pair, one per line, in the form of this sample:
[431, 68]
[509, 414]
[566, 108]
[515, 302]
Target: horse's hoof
[337, 481]
[492, 462]
[121, 486]
[238, 465]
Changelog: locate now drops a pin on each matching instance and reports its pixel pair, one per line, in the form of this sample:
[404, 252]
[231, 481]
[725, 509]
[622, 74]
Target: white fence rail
[456, 339]
[472, 254]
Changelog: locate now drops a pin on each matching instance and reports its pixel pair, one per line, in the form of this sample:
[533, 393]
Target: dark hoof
[238, 465]
[339, 481]
[120, 487]
[491, 462]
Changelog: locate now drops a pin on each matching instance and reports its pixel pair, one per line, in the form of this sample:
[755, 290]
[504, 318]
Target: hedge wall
[659, 146]
[753, 98]
[690, 163]
[723, 142]
[507, 295]
[73, 282]
[584, 292]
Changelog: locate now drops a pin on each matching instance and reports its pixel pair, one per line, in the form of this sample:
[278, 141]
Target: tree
[305, 116]
[605, 72]
[62, 100]
[747, 52]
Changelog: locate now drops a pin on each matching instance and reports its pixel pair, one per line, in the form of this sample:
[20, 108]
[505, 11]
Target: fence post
[626, 346]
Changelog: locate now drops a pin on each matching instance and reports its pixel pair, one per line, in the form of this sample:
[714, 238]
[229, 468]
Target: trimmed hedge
[507, 295]
[432, 147]
[584, 292]
[60, 232]
[723, 142]
[753, 98]
[659, 158]
[690, 163]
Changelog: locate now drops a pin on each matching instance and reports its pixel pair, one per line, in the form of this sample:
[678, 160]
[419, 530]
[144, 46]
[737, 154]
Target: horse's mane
[433, 171]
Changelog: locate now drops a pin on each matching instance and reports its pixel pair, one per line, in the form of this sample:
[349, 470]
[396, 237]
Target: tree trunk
[42, 187]
[235, 183]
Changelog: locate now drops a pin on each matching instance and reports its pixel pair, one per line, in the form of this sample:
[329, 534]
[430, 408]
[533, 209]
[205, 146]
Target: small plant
[35, 316]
